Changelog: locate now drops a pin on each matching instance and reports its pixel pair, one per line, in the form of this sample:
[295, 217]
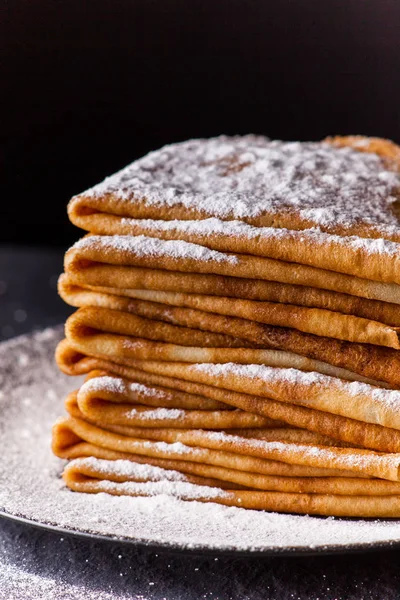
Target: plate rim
[198, 550]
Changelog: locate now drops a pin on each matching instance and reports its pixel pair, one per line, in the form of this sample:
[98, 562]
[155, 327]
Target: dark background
[89, 86]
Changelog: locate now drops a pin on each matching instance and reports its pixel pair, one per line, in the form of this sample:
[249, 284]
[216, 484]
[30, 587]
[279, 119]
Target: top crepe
[346, 186]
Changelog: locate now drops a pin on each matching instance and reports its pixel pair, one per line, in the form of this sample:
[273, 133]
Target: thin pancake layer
[118, 253]
[123, 470]
[310, 320]
[355, 400]
[357, 433]
[74, 438]
[355, 460]
[116, 410]
[377, 260]
[87, 321]
[144, 281]
[92, 331]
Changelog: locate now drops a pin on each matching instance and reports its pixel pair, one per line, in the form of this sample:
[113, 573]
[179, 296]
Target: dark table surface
[36, 564]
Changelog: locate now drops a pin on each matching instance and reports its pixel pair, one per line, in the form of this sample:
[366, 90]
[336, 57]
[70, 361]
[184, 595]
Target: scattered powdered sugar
[244, 177]
[159, 414]
[240, 229]
[142, 246]
[30, 483]
[16, 583]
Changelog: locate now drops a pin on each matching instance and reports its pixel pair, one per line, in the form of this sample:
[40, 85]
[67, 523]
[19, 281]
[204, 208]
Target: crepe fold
[353, 399]
[112, 256]
[116, 410]
[354, 460]
[122, 337]
[310, 320]
[105, 400]
[149, 284]
[163, 430]
[94, 475]
[75, 437]
[310, 414]
[368, 258]
[104, 476]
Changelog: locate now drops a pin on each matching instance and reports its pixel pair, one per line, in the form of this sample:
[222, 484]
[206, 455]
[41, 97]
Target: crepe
[87, 321]
[377, 260]
[130, 351]
[338, 427]
[70, 441]
[117, 410]
[355, 400]
[114, 335]
[110, 258]
[113, 389]
[309, 320]
[345, 186]
[158, 427]
[74, 437]
[104, 476]
[124, 470]
[150, 284]
[354, 460]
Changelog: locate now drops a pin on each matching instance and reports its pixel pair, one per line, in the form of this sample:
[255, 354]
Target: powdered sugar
[381, 401]
[239, 229]
[158, 414]
[143, 246]
[117, 385]
[359, 460]
[126, 468]
[297, 377]
[175, 448]
[114, 385]
[244, 177]
[30, 482]
[176, 489]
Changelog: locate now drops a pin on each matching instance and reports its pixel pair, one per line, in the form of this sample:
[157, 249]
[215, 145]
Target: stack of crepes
[238, 315]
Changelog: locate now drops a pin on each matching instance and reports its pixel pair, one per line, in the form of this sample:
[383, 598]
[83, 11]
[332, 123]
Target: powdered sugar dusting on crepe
[352, 460]
[143, 480]
[177, 489]
[239, 229]
[105, 383]
[296, 377]
[114, 385]
[126, 468]
[147, 247]
[158, 414]
[244, 177]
